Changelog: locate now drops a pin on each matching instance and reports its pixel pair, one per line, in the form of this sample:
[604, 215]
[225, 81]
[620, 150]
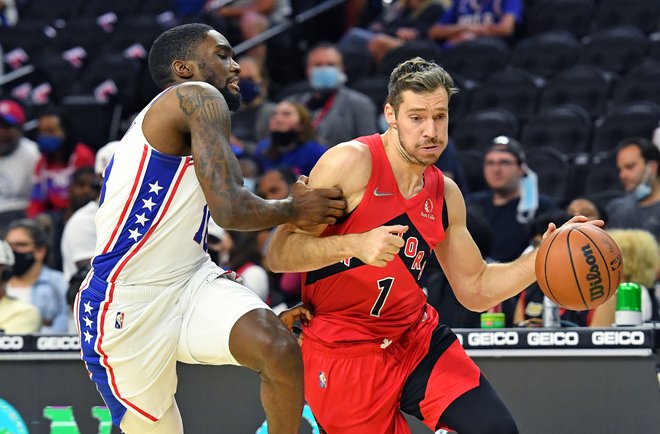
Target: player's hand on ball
[316, 206]
[578, 219]
[299, 312]
[380, 245]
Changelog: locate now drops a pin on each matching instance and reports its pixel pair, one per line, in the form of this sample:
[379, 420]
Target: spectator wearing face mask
[637, 160]
[32, 281]
[249, 124]
[61, 155]
[16, 316]
[291, 142]
[338, 113]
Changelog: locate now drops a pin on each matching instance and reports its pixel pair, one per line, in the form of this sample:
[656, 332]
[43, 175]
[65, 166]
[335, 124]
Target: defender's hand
[298, 312]
[316, 206]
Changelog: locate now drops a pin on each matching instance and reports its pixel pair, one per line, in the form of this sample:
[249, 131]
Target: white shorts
[132, 336]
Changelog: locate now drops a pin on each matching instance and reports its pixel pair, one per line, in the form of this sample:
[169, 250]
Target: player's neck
[409, 176]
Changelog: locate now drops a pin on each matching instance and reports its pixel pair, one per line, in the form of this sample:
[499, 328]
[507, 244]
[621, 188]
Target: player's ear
[390, 115]
[183, 69]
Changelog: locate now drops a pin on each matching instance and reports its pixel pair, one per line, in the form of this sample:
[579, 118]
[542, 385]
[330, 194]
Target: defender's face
[218, 68]
[421, 125]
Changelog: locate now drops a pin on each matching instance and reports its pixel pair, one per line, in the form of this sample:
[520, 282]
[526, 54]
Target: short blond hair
[639, 250]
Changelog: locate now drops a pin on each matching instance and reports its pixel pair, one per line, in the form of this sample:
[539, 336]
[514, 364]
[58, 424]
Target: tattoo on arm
[217, 166]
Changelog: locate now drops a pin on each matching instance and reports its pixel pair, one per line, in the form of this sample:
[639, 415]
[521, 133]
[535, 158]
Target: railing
[289, 23]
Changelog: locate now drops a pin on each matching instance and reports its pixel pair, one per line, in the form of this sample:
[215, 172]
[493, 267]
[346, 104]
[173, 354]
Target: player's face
[421, 125]
[501, 171]
[218, 68]
[631, 167]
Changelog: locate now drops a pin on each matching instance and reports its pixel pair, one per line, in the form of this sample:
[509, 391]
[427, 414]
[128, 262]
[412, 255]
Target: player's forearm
[502, 281]
[244, 211]
[296, 252]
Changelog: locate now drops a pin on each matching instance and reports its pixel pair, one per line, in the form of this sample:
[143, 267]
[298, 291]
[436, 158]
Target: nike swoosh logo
[380, 194]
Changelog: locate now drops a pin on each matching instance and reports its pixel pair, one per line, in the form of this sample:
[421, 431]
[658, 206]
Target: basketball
[579, 266]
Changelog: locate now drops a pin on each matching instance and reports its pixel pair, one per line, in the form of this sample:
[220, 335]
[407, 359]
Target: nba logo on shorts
[323, 381]
[119, 321]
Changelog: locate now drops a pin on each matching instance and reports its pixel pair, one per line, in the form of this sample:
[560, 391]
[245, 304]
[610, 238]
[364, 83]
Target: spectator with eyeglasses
[512, 199]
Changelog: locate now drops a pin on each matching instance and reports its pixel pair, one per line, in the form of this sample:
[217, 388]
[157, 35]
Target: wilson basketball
[579, 266]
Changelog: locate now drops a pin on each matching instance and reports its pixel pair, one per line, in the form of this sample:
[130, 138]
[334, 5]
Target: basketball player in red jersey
[374, 347]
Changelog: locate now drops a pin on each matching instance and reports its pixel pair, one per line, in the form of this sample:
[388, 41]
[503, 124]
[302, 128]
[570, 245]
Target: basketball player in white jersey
[153, 296]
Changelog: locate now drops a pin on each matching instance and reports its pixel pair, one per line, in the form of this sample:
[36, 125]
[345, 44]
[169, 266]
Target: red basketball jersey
[358, 302]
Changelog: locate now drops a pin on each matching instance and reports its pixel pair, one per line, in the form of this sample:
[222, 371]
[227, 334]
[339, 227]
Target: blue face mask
[49, 144]
[250, 184]
[325, 78]
[250, 90]
[643, 189]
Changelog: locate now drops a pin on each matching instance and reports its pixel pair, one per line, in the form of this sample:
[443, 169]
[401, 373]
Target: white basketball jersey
[152, 220]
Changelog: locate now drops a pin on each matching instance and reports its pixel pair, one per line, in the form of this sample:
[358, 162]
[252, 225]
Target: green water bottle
[628, 304]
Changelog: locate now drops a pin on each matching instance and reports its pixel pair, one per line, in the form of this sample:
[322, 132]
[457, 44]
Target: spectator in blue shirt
[291, 142]
[32, 281]
[468, 19]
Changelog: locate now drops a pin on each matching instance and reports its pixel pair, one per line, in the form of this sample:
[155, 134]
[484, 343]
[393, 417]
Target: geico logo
[45, 343]
[11, 342]
[623, 337]
[493, 338]
[553, 338]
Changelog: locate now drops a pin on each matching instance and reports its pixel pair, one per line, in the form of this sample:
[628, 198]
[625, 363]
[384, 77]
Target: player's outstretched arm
[477, 285]
[232, 205]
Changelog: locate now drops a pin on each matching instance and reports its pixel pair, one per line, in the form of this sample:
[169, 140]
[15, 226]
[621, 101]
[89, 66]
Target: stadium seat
[375, 88]
[545, 55]
[50, 11]
[123, 72]
[639, 84]
[565, 128]
[574, 16]
[515, 90]
[476, 130]
[654, 47]
[553, 170]
[617, 49]
[602, 175]
[637, 119]
[642, 14]
[458, 103]
[121, 8]
[472, 163]
[428, 50]
[584, 85]
[478, 58]
[357, 65]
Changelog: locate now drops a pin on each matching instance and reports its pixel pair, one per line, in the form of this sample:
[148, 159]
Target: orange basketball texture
[579, 266]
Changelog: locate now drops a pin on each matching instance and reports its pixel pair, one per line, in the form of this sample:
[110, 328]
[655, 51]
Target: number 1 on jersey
[384, 286]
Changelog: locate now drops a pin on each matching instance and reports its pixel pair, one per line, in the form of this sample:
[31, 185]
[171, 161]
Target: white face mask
[643, 189]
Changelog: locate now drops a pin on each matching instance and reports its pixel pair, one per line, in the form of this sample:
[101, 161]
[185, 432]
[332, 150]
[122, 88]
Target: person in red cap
[18, 157]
